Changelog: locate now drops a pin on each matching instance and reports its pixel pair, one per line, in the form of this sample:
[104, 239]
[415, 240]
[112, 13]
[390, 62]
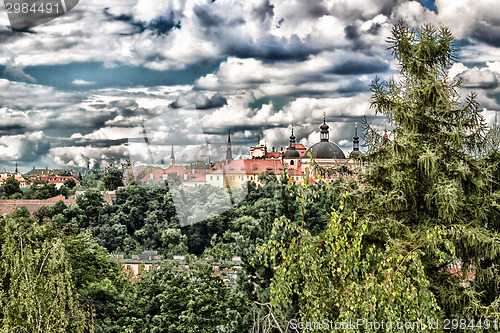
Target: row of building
[26, 180]
[295, 160]
[225, 269]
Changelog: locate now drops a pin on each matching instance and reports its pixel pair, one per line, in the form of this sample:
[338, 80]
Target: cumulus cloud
[24, 147]
[199, 99]
[480, 78]
[272, 64]
[79, 82]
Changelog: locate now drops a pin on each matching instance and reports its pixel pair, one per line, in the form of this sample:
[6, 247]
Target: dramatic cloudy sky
[89, 86]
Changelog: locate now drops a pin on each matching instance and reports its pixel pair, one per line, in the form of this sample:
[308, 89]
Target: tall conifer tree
[427, 176]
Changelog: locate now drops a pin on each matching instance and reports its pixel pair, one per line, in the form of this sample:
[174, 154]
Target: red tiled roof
[196, 177]
[19, 179]
[9, 206]
[58, 197]
[157, 175]
[178, 169]
[254, 166]
[58, 179]
[273, 154]
[215, 170]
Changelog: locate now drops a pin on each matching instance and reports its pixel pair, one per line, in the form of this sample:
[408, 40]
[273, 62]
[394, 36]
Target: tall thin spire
[292, 140]
[292, 137]
[355, 142]
[325, 134]
[172, 157]
[229, 153]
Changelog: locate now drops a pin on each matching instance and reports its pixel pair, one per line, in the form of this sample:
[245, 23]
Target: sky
[94, 86]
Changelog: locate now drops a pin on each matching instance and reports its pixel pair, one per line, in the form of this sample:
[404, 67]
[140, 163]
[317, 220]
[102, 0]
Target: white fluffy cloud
[281, 63]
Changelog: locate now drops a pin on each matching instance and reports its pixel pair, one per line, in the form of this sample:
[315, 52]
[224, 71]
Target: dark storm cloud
[360, 66]
[219, 27]
[487, 33]
[353, 88]
[84, 142]
[12, 129]
[264, 11]
[30, 146]
[161, 25]
[272, 49]
[209, 19]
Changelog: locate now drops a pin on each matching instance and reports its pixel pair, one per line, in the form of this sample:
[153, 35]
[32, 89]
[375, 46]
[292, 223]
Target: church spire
[229, 153]
[325, 134]
[292, 139]
[355, 142]
[172, 157]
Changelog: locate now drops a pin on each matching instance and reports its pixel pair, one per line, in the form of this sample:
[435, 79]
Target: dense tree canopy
[10, 189]
[428, 175]
[112, 178]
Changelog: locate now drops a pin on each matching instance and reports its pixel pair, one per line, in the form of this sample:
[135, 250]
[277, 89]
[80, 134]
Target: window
[217, 177]
[291, 162]
[211, 177]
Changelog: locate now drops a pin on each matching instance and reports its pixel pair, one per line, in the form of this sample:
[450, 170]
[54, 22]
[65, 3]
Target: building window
[291, 162]
[217, 177]
[211, 177]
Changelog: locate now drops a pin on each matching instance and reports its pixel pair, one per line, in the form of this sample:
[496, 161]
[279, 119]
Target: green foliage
[266, 177]
[70, 183]
[167, 299]
[37, 293]
[41, 189]
[91, 202]
[337, 276]
[112, 178]
[10, 188]
[92, 179]
[426, 176]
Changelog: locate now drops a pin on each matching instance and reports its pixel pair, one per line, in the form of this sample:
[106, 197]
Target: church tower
[355, 143]
[325, 134]
[229, 153]
[172, 157]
